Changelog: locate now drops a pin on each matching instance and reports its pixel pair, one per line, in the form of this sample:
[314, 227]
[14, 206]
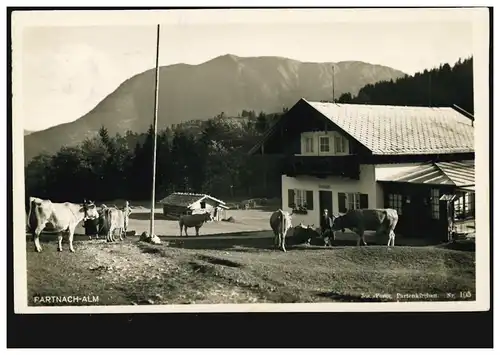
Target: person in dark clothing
[326, 224]
[92, 228]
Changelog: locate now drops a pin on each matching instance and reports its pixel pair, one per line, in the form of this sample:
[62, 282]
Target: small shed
[180, 203]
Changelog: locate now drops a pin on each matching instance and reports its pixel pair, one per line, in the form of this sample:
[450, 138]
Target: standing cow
[57, 217]
[280, 222]
[194, 220]
[360, 220]
[114, 220]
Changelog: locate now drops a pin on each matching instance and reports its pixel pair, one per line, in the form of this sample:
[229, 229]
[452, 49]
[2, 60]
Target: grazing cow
[194, 220]
[57, 217]
[380, 220]
[304, 234]
[280, 222]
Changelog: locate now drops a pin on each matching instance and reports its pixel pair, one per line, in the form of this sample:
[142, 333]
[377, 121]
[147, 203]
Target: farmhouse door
[415, 214]
[325, 202]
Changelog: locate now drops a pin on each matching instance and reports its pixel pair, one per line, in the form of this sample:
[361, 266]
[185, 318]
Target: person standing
[326, 224]
[91, 226]
[216, 210]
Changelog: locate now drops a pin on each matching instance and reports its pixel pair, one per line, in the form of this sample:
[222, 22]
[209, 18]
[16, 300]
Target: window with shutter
[309, 200]
[363, 200]
[291, 198]
[395, 201]
[342, 205]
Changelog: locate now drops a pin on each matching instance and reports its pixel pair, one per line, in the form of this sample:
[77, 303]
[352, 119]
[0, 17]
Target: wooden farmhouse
[417, 160]
[179, 203]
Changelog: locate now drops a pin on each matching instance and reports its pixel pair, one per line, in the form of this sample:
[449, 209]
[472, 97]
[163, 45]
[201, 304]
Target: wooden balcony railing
[323, 166]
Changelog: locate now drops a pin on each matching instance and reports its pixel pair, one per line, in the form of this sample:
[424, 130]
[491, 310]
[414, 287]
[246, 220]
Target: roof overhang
[467, 188]
[437, 174]
[220, 202]
[290, 113]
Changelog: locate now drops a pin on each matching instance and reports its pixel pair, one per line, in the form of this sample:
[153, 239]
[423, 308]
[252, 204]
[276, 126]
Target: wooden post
[155, 124]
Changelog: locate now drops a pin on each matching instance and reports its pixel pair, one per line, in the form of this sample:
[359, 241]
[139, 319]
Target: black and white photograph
[199, 160]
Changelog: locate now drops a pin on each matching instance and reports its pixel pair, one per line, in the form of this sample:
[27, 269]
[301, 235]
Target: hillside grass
[244, 271]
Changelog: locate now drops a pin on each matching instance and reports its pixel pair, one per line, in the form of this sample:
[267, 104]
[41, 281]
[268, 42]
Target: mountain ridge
[226, 83]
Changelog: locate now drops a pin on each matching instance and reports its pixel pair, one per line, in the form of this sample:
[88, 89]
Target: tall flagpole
[157, 79]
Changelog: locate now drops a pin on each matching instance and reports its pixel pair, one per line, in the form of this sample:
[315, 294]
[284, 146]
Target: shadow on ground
[251, 244]
[460, 245]
[141, 216]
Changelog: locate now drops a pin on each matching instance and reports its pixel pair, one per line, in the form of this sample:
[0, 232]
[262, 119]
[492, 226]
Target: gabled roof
[400, 130]
[184, 199]
[458, 173]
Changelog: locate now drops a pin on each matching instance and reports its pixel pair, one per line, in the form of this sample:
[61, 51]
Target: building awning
[459, 173]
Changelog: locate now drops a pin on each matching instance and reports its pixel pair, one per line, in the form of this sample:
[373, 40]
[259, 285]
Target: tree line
[196, 156]
[441, 86]
[211, 156]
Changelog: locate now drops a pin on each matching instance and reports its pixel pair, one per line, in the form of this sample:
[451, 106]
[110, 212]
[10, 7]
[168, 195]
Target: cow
[57, 217]
[114, 219]
[360, 220]
[194, 220]
[281, 222]
[304, 234]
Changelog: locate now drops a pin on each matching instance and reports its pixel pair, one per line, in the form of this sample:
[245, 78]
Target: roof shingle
[401, 129]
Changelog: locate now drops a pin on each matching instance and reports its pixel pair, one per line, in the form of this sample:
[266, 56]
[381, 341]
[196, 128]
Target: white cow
[280, 222]
[57, 217]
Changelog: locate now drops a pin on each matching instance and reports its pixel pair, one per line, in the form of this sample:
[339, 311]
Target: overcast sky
[67, 70]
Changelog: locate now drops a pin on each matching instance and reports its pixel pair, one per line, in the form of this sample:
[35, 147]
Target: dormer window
[340, 144]
[324, 144]
[309, 148]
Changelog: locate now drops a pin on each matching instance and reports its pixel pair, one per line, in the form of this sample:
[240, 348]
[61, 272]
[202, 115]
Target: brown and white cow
[57, 217]
[281, 222]
[194, 220]
[361, 220]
